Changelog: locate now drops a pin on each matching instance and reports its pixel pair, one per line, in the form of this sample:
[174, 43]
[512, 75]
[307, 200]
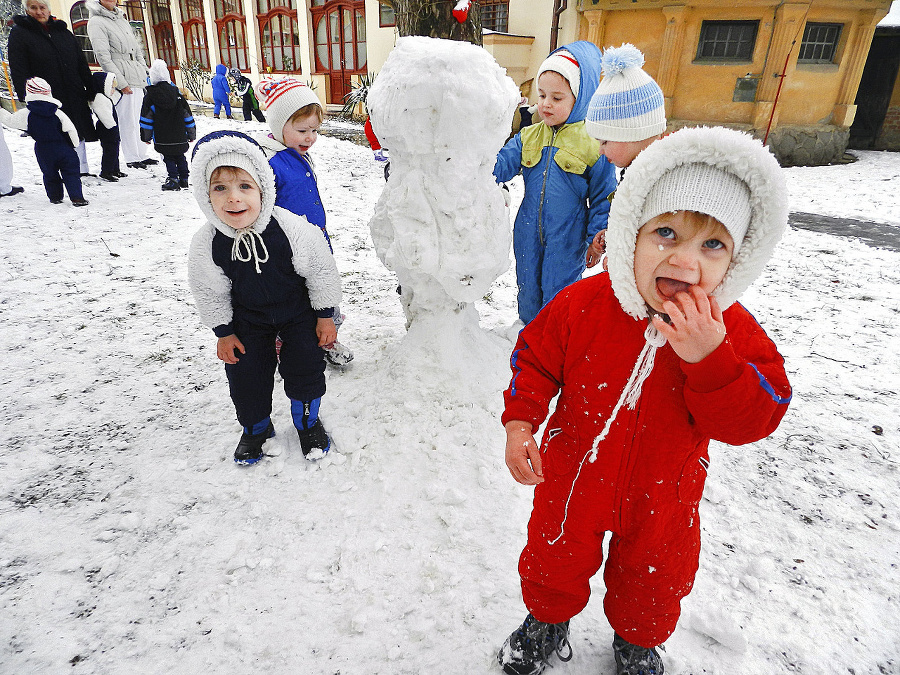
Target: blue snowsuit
[296, 189]
[567, 188]
[54, 151]
[221, 89]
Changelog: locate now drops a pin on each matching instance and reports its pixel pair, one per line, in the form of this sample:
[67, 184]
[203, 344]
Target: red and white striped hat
[281, 99]
[38, 89]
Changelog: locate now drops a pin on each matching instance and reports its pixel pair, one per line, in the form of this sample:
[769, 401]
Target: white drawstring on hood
[733, 152]
[247, 239]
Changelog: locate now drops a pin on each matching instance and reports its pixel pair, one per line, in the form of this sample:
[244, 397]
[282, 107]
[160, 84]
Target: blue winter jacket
[296, 189]
[567, 188]
[219, 82]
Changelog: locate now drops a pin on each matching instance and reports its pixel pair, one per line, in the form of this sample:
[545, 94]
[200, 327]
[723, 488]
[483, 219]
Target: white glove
[507, 197]
[380, 155]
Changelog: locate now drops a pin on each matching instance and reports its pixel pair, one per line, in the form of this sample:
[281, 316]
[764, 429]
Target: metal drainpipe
[559, 6]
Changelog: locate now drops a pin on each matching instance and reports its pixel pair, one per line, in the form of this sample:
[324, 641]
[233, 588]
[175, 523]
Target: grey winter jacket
[115, 46]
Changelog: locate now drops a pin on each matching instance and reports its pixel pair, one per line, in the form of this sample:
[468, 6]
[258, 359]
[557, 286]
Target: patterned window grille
[163, 34]
[193, 23]
[279, 35]
[727, 40]
[495, 15]
[820, 42]
[78, 17]
[232, 29]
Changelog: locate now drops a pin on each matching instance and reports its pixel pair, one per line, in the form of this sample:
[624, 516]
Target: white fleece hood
[732, 151]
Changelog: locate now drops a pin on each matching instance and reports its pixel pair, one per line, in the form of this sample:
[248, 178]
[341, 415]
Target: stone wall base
[889, 138]
[793, 145]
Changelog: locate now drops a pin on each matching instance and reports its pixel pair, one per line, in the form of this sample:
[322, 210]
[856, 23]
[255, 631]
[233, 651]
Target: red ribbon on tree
[461, 11]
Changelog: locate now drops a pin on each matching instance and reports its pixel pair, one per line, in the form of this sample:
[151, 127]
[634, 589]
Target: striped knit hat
[628, 104]
[281, 99]
[38, 89]
[562, 62]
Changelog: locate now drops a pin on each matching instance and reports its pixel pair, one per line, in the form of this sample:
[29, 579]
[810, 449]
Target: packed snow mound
[443, 109]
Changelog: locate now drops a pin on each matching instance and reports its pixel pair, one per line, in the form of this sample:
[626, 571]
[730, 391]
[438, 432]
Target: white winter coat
[115, 46]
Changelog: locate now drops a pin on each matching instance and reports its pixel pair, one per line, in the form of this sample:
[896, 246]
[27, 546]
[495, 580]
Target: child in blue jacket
[221, 89]
[294, 115]
[567, 181]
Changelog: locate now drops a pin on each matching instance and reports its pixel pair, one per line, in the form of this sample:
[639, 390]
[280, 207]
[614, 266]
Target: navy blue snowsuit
[54, 151]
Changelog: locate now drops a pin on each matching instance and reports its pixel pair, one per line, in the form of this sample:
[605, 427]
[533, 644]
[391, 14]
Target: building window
[163, 34]
[279, 35]
[727, 40]
[78, 17]
[193, 23]
[134, 12]
[495, 15]
[820, 41]
[386, 16]
[232, 28]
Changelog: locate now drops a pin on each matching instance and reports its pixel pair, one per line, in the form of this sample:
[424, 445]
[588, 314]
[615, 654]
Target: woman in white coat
[117, 51]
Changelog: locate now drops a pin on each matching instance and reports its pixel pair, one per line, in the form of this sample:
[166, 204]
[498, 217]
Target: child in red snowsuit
[650, 362]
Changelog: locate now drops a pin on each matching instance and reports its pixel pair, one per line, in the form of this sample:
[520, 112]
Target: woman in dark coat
[40, 45]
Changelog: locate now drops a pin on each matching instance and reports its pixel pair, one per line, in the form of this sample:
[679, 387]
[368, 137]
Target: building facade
[785, 71]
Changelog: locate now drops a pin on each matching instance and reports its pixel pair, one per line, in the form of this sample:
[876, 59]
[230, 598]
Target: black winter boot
[249, 450]
[314, 440]
[171, 184]
[528, 650]
[634, 660]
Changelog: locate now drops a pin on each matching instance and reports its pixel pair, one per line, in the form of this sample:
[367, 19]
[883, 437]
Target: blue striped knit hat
[628, 105]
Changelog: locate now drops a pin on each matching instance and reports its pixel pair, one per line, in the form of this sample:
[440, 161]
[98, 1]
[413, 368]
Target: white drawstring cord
[629, 397]
[246, 239]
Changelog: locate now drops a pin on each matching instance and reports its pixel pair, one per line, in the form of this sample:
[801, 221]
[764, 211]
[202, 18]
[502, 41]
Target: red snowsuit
[647, 480]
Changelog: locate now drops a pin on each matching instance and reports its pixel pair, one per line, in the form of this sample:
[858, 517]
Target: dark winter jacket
[45, 126]
[55, 55]
[219, 82]
[166, 119]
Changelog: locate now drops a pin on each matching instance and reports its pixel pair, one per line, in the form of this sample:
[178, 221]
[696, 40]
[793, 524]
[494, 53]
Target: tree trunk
[434, 18]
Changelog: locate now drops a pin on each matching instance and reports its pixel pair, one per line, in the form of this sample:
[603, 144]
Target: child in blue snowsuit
[104, 107]
[294, 115]
[55, 140]
[567, 181]
[221, 89]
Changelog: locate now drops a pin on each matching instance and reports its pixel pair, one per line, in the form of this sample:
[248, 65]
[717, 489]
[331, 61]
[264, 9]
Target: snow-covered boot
[528, 650]
[314, 441]
[634, 660]
[338, 354]
[249, 450]
[171, 184]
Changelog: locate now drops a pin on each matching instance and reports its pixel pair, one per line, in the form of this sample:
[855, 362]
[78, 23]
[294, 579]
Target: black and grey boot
[314, 441]
[528, 650]
[634, 660]
[171, 184]
[249, 450]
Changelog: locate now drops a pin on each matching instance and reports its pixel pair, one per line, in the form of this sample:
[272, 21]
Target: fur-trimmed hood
[210, 149]
[732, 151]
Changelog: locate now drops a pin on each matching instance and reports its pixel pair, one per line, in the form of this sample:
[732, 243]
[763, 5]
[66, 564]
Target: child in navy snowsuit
[221, 89]
[258, 271]
[104, 107]
[55, 140]
[166, 119]
[567, 181]
[294, 115]
[244, 88]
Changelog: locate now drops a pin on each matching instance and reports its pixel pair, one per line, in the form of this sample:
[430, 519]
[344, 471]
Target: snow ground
[131, 543]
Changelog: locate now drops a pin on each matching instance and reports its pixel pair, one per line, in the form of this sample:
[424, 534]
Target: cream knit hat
[705, 189]
[628, 104]
[281, 99]
[159, 72]
[562, 62]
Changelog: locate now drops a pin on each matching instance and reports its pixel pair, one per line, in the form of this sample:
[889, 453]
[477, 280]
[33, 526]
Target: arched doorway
[339, 27]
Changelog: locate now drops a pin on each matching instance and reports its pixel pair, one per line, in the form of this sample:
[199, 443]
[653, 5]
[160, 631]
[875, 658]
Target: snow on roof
[893, 16]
